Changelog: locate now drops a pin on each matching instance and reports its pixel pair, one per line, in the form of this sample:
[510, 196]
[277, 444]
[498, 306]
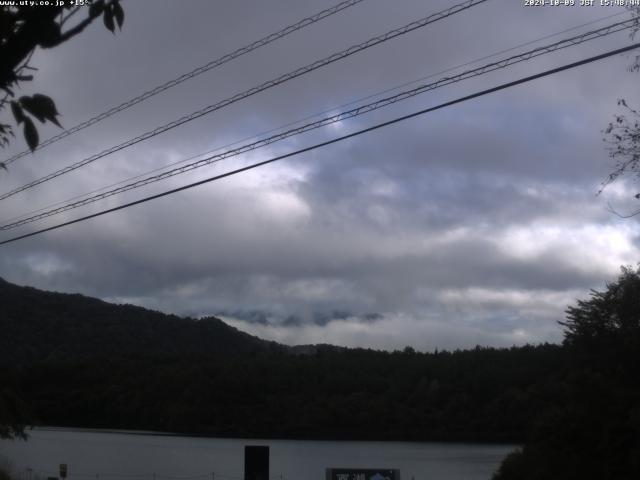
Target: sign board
[63, 470]
[362, 474]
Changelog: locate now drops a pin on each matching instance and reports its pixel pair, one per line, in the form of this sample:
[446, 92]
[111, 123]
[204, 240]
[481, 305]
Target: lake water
[99, 455]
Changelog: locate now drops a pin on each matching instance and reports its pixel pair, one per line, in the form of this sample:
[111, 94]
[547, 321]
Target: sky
[477, 224]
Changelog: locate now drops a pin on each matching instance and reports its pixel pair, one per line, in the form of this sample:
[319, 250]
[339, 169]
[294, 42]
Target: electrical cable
[361, 110]
[332, 141]
[193, 73]
[254, 90]
[309, 117]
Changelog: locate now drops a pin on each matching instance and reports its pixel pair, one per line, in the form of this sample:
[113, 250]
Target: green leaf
[18, 114]
[118, 12]
[41, 107]
[108, 20]
[30, 133]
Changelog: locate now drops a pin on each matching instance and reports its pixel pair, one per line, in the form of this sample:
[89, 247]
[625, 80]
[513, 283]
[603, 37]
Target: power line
[305, 22]
[361, 110]
[309, 117]
[332, 141]
[252, 91]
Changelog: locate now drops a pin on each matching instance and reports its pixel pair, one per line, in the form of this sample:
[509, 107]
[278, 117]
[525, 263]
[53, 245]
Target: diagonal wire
[481, 93]
[252, 91]
[355, 112]
[315, 115]
[193, 73]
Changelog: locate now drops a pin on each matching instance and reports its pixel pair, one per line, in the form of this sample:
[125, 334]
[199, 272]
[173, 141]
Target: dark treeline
[591, 430]
[78, 361]
[72, 361]
[476, 395]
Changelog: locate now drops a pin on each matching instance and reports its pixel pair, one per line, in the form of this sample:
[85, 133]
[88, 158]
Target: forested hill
[78, 361]
[45, 326]
[69, 360]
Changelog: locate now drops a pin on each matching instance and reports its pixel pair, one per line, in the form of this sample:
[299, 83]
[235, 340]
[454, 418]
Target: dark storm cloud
[475, 224]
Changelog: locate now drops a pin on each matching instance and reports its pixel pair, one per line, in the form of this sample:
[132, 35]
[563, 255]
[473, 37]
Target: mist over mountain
[81, 362]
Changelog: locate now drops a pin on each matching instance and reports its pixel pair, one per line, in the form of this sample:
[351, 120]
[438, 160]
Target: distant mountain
[77, 361]
[37, 325]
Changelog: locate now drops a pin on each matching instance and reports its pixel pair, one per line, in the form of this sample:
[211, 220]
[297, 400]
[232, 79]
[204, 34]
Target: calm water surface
[100, 455]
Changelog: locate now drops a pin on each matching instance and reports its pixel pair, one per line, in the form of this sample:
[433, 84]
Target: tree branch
[620, 215]
[74, 31]
[71, 14]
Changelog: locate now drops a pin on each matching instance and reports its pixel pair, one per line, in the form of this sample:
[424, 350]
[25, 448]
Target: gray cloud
[476, 224]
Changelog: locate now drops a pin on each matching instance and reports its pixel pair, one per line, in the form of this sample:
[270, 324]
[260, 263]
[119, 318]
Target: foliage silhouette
[22, 30]
[84, 362]
[593, 429]
[622, 135]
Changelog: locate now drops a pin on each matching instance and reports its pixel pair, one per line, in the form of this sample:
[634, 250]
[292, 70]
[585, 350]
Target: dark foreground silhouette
[81, 362]
[76, 361]
[591, 430]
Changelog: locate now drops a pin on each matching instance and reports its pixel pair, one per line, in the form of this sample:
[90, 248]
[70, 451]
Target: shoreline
[55, 428]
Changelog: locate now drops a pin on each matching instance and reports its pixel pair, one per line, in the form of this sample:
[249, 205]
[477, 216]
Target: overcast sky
[476, 224]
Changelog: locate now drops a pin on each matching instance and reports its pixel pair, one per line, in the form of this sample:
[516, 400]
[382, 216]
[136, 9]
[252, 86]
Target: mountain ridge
[81, 362]
[39, 325]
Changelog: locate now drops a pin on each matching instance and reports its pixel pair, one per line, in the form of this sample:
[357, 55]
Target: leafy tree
[593, 430]
[623, 134]
[623, 139]
[14, 413]
[609, 319]
[22, 30]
